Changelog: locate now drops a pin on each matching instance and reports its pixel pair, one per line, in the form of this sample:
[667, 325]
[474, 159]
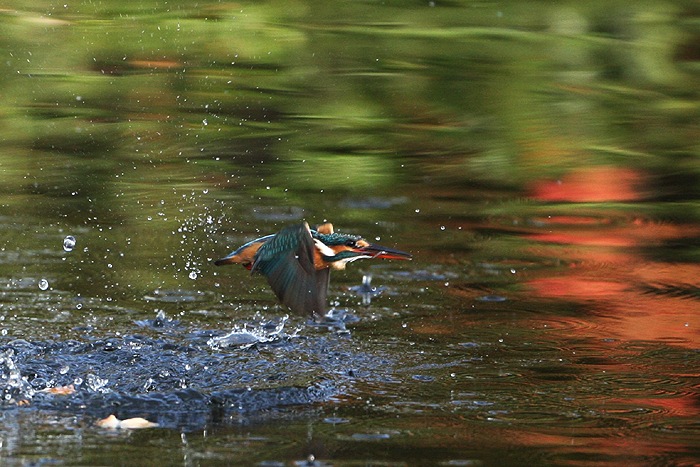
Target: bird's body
[297, 262]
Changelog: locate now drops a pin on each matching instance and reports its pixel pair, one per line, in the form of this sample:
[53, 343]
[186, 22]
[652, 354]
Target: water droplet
[512, 271]
[442, 227]
[69, 243]
[193, 275]
[43, 284]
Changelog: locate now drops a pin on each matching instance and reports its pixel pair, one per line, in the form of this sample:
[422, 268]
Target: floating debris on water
[113, 423]
[60, 390]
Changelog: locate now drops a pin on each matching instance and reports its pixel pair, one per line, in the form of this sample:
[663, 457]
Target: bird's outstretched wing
[287, 261]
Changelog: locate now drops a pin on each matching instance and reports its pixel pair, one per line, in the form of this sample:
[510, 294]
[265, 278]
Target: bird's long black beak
[378, 251]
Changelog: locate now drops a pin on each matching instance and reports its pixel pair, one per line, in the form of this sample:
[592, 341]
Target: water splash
[247, 336]
[14, 386]
[205, 223]
[366, 290]
[161, 321]
[96, 384]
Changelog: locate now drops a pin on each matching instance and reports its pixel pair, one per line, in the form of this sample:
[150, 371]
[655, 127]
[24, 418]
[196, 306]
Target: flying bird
[297, 262]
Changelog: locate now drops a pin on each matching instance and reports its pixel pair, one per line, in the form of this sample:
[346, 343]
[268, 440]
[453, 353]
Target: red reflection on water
[672, 406]
[638, 232]
[625, 309]
[603, 446]
[631, 296]
[591, 184]
[574, 287]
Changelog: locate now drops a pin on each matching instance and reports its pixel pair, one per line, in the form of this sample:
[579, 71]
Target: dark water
[539, 160]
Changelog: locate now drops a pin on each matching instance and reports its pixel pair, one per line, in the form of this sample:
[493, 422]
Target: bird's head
[338, 249]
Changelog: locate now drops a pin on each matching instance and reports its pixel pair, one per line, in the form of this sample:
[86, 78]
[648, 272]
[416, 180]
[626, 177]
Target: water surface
[539, 160]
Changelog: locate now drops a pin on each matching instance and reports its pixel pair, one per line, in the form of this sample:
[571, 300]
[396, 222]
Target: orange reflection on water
[629, 294]
[638, 232]
[626, 310]
[591, 184]
[607, 447]
[631, 298]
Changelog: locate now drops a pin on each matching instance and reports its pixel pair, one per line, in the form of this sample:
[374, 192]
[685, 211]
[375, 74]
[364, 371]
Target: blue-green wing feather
[287, 261]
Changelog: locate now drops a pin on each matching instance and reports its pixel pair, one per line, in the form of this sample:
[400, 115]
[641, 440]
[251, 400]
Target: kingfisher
[298, 259]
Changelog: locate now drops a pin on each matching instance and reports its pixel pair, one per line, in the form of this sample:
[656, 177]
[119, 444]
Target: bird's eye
[350, 243]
